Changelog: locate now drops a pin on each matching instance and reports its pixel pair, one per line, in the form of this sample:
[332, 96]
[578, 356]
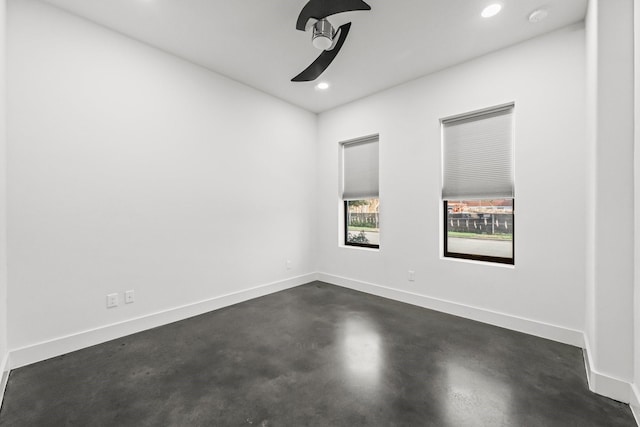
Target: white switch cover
[289, 264]
[129, 296]
[412, 276]
[112, 300]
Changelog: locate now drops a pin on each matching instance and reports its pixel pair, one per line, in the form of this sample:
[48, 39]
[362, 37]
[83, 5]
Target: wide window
[478, 185]
[360, 192]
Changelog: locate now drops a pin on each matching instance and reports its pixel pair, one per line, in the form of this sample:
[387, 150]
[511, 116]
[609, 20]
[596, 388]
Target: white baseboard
[520, 324]
[605, 385]
[4, 376]
[66, 344]
[635, 402]
[608, 386]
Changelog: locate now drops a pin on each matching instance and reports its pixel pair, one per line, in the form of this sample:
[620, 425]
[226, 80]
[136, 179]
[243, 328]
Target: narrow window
[360, 192]
[478, 185]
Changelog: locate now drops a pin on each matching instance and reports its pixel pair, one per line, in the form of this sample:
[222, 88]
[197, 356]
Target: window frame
[474, 257]
[470, 189]
[359, 195]
[346, 229]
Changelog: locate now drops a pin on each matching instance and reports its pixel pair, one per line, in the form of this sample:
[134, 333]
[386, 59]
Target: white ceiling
[255, 41]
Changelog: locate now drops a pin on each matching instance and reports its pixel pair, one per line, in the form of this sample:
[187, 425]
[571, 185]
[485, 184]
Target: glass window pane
[362, 222]
[480, 228]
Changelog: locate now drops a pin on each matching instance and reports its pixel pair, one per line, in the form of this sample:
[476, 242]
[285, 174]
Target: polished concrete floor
[315, 355]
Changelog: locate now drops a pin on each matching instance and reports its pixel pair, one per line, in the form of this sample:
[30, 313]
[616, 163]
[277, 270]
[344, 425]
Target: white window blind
[478, 155]
[360, 169]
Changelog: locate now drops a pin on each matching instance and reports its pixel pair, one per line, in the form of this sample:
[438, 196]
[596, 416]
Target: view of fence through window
[362, 221]
[480, 227]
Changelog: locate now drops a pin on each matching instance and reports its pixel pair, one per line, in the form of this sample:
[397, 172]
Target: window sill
[477, 262]
[359, 248]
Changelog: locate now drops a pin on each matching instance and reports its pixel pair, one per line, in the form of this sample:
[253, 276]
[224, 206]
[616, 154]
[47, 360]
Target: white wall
[591, 23]
[3, 194]
[545, 78]
[635, 400]
[131, 169]
[609, 322]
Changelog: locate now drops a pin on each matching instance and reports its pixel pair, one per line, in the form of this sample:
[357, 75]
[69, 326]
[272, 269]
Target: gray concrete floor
[315, 355]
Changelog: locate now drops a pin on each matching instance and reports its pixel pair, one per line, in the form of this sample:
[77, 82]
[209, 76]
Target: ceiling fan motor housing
[323, 33]
[324, 36]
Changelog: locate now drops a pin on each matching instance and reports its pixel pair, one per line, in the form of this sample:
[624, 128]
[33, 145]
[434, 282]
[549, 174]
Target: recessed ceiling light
[322, 86]
[491, 10]
[538, 15]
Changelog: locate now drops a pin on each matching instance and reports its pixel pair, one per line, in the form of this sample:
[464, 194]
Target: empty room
[319, 213]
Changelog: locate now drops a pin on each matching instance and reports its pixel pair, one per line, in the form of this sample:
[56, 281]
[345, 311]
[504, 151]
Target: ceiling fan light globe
[322, 42]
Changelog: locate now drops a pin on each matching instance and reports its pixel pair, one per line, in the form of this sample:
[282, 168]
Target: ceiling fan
[324, 36]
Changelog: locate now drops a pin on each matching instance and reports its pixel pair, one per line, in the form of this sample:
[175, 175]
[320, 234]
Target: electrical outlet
[289, 264]
[112, 300]
[129, 296]
[412, 276]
